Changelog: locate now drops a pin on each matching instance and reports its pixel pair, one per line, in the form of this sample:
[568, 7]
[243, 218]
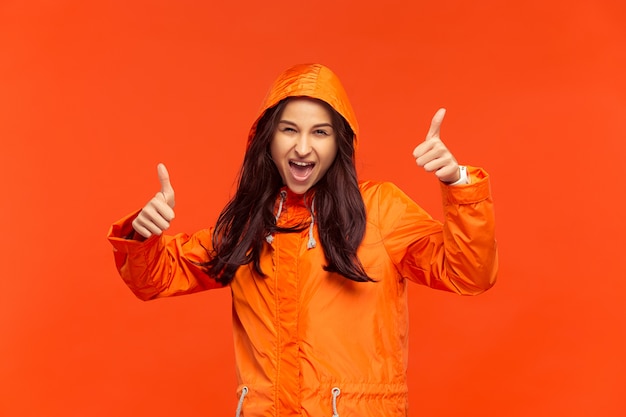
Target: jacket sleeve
[161, 266]
[459, 255]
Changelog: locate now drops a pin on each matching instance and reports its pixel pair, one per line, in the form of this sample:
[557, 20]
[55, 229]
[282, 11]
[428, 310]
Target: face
[304, 145]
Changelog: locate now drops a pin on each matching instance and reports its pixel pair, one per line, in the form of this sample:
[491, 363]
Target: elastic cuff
[478, 190]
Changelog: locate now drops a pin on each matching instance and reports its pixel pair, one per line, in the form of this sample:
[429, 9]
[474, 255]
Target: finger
[150, 229]
[429, 151]
[160, 208]
[445, 167]
[438, 163]
[421, 149]
[154, 228]
[435, 124]
[166, 187]
[158, 212]
[449, 173]
[141, 229]
[433, 133]
[152, 222]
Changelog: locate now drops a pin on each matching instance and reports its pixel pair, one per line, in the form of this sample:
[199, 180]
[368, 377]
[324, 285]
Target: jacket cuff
[478, 189]
[122, 236]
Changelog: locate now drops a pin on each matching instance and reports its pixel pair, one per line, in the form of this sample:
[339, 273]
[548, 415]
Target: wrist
[463, 177]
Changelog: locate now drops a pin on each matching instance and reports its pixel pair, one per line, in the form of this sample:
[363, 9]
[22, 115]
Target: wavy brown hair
[248, 217]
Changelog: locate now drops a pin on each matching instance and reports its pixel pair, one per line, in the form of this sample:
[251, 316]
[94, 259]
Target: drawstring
[336, 391]
[244, 391]
[283, 196]
[312, 243]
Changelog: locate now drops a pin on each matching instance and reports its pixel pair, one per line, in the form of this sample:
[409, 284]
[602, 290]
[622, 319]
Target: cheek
[328, 157]
[331, 153]
[275, 154]
[274, 151]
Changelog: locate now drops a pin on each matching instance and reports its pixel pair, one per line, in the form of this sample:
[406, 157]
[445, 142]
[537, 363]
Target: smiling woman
[304, 144]
[318, 328]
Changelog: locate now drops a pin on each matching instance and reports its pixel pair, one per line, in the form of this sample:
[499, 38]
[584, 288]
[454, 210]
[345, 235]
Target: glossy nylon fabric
[301, 331]
[310, 80]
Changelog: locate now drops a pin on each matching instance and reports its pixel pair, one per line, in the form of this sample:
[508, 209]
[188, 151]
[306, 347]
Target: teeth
[302, 164]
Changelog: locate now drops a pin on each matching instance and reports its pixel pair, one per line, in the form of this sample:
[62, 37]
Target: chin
[299, 189]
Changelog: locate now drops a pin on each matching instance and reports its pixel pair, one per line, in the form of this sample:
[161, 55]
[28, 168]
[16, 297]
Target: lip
[301, 171]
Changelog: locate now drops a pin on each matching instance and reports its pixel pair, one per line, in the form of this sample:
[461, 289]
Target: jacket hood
[309, 80]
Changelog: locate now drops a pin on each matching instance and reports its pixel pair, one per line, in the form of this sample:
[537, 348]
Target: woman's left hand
[434, 156]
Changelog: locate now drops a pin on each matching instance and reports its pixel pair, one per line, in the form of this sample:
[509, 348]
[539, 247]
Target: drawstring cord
[244, 391]
[283, 196]
[336, 391]
[311, 243]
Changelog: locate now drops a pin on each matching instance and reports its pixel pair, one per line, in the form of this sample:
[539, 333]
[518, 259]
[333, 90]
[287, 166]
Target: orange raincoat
[313, 343]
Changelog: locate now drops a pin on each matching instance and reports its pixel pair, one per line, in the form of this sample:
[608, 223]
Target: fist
[157, 215]
[434, 156]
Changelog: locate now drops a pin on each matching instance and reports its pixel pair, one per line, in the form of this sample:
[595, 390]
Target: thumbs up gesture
[156, 216]
[433, 155]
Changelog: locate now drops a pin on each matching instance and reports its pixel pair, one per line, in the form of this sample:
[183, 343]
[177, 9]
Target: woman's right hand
[157, 215]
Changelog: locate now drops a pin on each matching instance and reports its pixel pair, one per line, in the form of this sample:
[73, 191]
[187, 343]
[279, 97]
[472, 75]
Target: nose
[303, 145]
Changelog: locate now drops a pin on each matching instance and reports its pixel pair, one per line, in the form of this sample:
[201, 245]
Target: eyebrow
[314, 126]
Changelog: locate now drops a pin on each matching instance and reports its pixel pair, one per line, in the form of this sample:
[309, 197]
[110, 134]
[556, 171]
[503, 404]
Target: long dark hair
[248, 217]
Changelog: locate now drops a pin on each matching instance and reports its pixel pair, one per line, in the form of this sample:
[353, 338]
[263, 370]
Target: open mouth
[301, 170]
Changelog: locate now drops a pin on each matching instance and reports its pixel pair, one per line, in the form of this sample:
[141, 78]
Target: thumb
[435, 124]
[166, 187]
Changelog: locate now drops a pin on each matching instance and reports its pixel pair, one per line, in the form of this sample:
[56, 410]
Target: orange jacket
[312, 343]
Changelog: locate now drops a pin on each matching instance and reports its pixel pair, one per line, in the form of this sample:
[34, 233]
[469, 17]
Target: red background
[94, 94]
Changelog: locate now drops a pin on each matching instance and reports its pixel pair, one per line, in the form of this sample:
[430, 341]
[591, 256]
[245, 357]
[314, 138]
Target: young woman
[317, 262]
